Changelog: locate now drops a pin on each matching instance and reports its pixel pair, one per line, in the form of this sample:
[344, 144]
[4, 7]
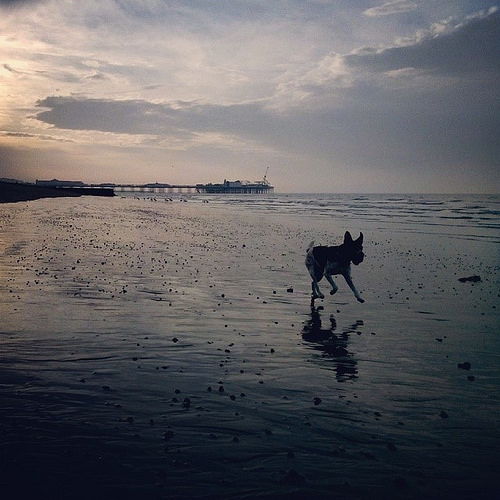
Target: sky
[329, 95]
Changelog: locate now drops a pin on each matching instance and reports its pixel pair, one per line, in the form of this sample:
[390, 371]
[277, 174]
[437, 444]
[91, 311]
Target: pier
[226, 187]
[236, 187]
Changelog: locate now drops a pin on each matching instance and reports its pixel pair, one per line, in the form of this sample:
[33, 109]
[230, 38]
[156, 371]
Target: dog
[327, 261]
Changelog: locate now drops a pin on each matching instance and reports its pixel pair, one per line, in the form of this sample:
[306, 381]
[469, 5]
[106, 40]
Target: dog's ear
[347, 238]
[360, 239]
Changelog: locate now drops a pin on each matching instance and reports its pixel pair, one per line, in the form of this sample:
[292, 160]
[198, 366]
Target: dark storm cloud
[143, 117]
[105, 115]
[471, 47]
[17, 3]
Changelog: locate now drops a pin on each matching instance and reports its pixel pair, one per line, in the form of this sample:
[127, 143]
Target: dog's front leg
[334, 286]
[348, 280]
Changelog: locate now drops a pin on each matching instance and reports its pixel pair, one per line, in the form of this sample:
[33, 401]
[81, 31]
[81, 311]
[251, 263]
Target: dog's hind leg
[334, 286]
[348, 280]
[316, 293]
[315, 273]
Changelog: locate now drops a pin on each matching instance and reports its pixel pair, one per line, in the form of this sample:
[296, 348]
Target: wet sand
[170, 350]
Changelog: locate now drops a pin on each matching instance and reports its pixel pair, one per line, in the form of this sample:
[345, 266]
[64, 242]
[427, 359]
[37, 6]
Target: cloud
[391, 8]
[464, 49]
[461, 54]
[16, 3]
[38, 137]
[422, 108]
[10, 69]
[105, 115]
[17, 134]
[162, 124]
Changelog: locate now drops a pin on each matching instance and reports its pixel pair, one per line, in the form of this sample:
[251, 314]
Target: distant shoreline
[16, 192]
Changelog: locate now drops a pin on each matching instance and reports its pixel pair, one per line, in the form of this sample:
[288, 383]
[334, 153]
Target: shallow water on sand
[161, 349]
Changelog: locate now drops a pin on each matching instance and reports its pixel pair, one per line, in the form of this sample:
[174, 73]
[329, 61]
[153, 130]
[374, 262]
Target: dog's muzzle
[358, 258]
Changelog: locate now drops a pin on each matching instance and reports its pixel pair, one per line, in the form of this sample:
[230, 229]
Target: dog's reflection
[331, 344]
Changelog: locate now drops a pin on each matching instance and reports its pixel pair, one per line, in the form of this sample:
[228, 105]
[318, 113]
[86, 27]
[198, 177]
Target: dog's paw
[360, 300]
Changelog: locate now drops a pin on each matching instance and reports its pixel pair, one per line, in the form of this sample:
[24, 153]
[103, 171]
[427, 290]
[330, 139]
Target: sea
[458, 216]
[165, 345]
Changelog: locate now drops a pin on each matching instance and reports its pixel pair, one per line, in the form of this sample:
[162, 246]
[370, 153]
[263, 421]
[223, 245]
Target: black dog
[325, 261]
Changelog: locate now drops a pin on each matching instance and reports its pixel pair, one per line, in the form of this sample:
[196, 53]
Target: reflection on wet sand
[332, 345]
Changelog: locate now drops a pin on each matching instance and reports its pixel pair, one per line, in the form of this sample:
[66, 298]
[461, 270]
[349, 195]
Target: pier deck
[226, 187]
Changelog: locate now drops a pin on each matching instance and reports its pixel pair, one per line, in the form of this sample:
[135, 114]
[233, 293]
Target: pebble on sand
[168, 435]
[473, 279]
[292, 477]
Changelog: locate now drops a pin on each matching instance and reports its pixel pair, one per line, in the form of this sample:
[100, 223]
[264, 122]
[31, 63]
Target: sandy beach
[157, 349]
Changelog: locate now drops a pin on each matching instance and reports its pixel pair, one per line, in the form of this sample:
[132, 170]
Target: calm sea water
[162, 349]
[469, 216]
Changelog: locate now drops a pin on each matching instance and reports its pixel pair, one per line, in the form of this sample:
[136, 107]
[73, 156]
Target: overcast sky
[331, 95]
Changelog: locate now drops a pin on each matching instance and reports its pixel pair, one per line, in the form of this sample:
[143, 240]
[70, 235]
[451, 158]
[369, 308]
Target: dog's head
[355, 248]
